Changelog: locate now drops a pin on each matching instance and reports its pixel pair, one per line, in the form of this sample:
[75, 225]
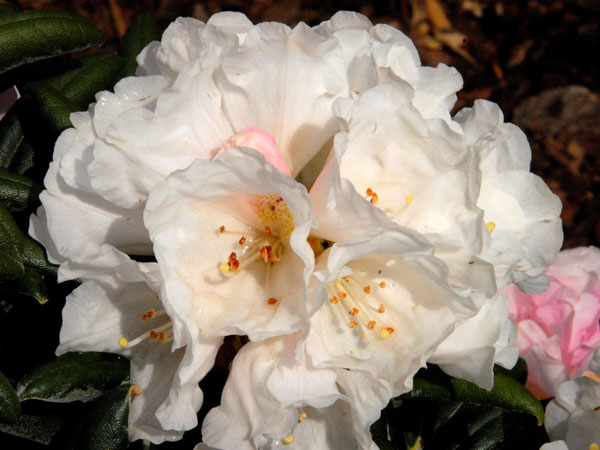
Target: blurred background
[537, 59]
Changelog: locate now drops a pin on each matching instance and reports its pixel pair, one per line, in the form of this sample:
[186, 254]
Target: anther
[123, 342]
[382, 284]
[374, 198]
[381, 309]
[491, 226]
[367, 289]
[333, 299]
[386, 332]
[369, 192]
[242, 240]
[346, 278]
[353, 311]
[408, 199]
[268, 229]
[222, 229]
[342, 295]
[352, 324]
[287, 440]
[153, 335]
[371, 324]
[471, 262]
[271, 300]
[301, 417]
[133, 391]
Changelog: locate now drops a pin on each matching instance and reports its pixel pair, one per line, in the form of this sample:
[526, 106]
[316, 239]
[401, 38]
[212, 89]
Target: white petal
[184, 215]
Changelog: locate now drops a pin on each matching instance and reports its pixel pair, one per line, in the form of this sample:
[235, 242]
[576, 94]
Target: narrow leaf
[105, 424]
[74, 376]
[10, 408]
[28, 36]
[11, 137]
[31, 283]
[142, 31]
[11, 247]
[18, 192]
[34, 256]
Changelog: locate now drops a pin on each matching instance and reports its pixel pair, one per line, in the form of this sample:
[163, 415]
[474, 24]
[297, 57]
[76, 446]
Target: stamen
[491, 226]
[471, 262]
[272, 300]
[409, 199]
[386, 332]
[133, 391]
[371, 324]
[268, 229]
[153, 335]
[222, 229]
[353, 311]
[287, 440]
[382, 285]
[123, 342]
[381, 309]
[342, 295]
[242, 240]
[352, 324]
[367, 289]
[301, 417]
[374, 198]
[369, 192]
[333, 299]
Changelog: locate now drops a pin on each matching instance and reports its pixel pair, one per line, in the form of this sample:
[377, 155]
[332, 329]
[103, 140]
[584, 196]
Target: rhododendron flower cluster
[307, 188]
[558, 330]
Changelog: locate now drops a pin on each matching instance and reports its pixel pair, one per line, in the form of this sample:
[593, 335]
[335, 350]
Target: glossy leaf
[11, 247]
[105, 424]
[11, 138]
[31, 283]
[142, 31]
[18, 192]
[34, 256]
[22, 161]
[97, 71]
[10, 408]
[53, 107]
[40, 429]
[74, 376]
[27, 36]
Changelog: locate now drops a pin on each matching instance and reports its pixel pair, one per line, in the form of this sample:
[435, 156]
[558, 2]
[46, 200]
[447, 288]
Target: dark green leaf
[6, 9]
[11, 138]
[74, 376]
[53, 107]
[23, 160]
[142, 31]
[40, 429]
[11, 247]
[34, 256]
[31, 283]
[105, 424]
[98, 71]
[518, 372]
[28, 36]
[18, 192]
[10, 408]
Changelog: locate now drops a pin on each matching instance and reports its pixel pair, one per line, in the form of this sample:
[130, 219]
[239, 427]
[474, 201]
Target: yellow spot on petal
[491, 226]
[408, 199]
[287, 440]
[123, 342]
[301, 417]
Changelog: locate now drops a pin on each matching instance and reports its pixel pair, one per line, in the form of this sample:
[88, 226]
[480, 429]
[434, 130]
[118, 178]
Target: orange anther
[381, 309]
[352, 324]
[153, 335]
[163, 337]
[272, 300]
[268, 229]
[367, 289]
[382, 284]
[369, 192]
[222, 229]
[342, 295]
[353, 312]
[374, 198]
[242, 240]
[371, 324]
[333, 299]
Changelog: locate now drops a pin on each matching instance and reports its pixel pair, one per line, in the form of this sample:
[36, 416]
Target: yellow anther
[123, 342]
[287, 440]
[225, 269]
[408, 199]
[491, 226]
[386, 333]
[594, 446]
[301, 417]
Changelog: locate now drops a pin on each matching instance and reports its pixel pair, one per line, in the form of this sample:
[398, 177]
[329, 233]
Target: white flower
[574, 415]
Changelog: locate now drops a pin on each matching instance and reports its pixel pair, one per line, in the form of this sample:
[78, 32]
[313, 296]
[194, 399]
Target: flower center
[162, 334]
[356, 305]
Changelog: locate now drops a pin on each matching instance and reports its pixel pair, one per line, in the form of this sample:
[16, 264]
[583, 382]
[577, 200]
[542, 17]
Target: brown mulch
[537, 59]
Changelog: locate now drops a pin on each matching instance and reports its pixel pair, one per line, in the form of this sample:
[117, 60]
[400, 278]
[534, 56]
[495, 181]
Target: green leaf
[105, 424]
[34, 256]
[23, 160]
[40, 429]
[11, 138]
[74, 376]
[11, 247]
[97, 71]
[28, 36]
[142, 31]
[53, 107]
[10, 408]
[30, 283]
[18, 192]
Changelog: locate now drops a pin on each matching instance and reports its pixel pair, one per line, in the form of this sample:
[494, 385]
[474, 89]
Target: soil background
[537, 59]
